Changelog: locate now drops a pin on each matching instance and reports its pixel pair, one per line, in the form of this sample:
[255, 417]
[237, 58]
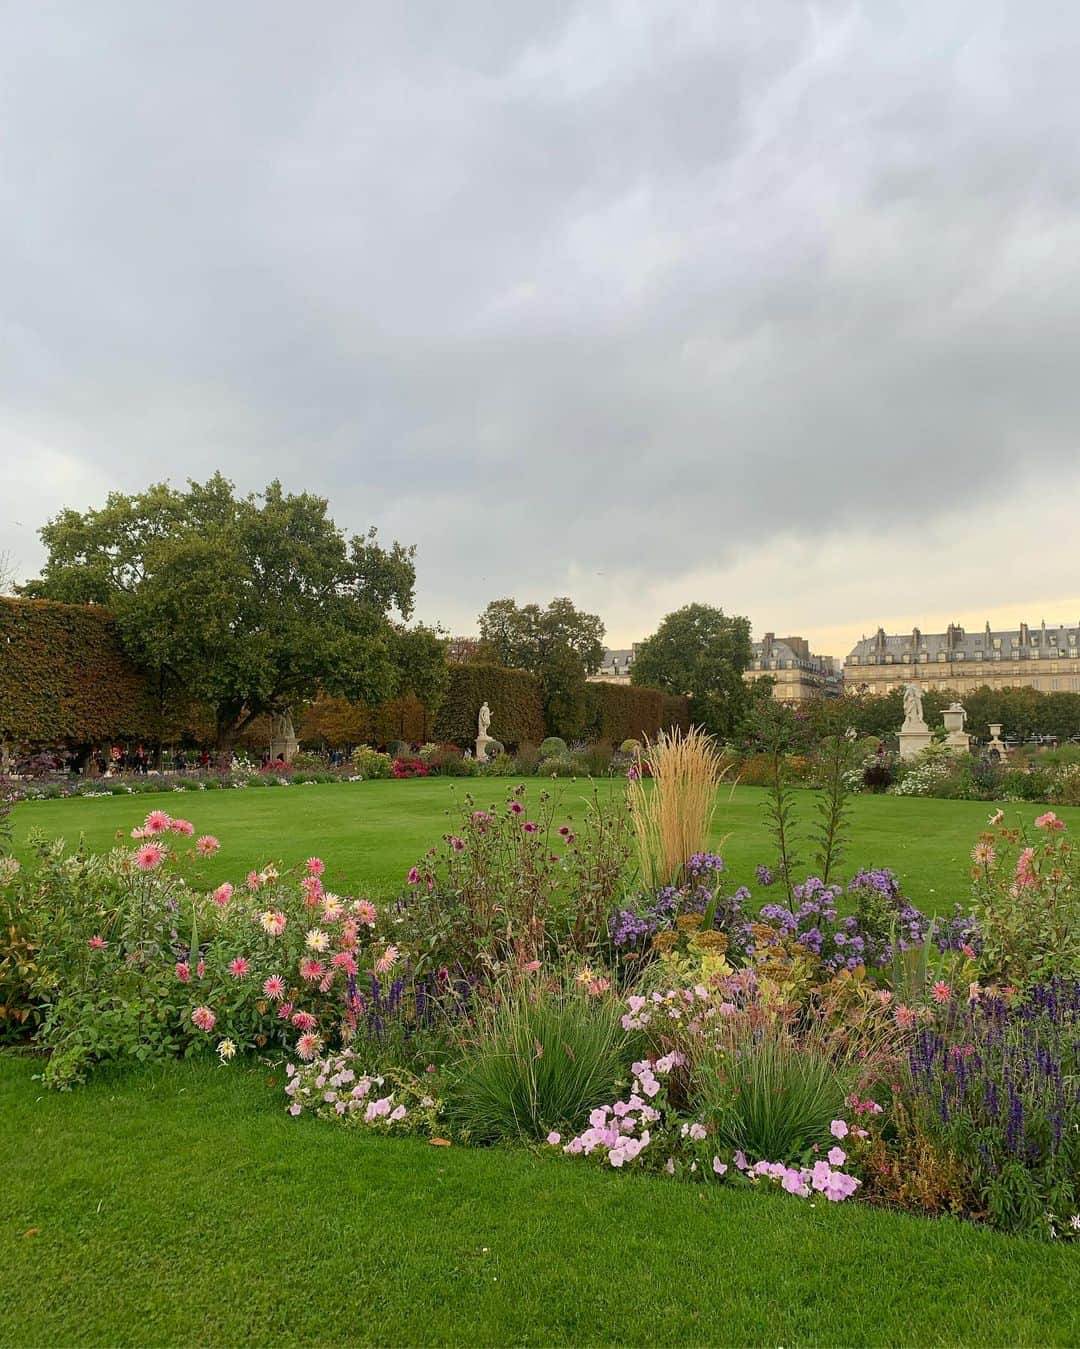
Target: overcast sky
[770, 305]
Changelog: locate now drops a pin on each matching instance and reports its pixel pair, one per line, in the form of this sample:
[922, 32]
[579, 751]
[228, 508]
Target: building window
[941, 656]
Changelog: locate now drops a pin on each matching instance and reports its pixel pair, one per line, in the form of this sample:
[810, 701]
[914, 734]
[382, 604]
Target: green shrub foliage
[517, 715]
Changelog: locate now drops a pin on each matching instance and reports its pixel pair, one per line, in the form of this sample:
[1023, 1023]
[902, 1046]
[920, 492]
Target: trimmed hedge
[676, 714]
[64, 676]
[517, 708]
[618, 712]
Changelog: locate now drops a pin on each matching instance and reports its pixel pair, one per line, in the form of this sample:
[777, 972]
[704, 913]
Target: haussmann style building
[1046, 658]
[799, 674]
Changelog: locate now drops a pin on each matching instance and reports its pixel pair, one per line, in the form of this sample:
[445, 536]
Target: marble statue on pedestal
[483, 740]
[914, 734]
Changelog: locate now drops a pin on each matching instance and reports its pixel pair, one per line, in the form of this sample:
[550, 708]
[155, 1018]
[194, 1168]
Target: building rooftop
[1020, 643]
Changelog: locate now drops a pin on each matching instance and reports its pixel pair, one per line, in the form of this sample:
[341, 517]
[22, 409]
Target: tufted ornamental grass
[771, 1094]
[673, 816]
[538, 1060]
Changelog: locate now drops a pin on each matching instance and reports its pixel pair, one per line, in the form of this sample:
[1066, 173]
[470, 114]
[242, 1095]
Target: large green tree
[702, 651]
[560, 644]
[250, 604]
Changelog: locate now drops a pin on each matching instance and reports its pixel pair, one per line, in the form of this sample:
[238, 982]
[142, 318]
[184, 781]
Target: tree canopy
[701, 651]
[252, 603]
[560, 645]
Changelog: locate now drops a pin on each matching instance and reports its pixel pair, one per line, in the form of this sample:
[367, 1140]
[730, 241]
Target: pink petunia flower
[839, 1129]
[837, 1156]
[149, 856]
[239, 967]
[97, 943]
[204, 1018]
[274, 987]
[206, 845]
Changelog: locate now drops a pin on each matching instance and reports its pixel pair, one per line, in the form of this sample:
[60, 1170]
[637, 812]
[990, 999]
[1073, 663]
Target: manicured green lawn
[370, 833]
[182, 1206]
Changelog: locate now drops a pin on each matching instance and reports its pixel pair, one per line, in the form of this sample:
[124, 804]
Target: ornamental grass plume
[673, 815]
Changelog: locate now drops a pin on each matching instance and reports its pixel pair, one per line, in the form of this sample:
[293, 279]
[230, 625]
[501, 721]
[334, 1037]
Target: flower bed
[521, 990]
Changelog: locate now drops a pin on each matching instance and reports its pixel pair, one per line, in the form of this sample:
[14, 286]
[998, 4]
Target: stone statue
[914, 734]
[913, 717]
[483, 740]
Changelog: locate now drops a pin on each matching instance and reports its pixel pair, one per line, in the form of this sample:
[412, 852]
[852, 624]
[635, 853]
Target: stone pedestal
[913, 742]
[996, 746]
[283, 742]
[482, 742]
[956, 738]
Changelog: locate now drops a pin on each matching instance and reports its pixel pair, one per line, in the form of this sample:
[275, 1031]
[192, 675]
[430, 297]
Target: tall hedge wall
[617, 712]
[64, 677]
[676, 714]
[517, 710]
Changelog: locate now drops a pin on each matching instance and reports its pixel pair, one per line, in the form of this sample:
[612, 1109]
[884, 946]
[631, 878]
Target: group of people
[118, 760]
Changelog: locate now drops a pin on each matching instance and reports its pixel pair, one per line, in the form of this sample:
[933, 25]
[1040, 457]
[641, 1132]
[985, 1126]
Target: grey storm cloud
[554, 291]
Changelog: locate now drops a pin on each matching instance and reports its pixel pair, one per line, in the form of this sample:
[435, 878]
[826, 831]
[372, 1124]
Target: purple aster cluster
[630, 927]
[705, 866]
[764, 875]
[815, 925]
